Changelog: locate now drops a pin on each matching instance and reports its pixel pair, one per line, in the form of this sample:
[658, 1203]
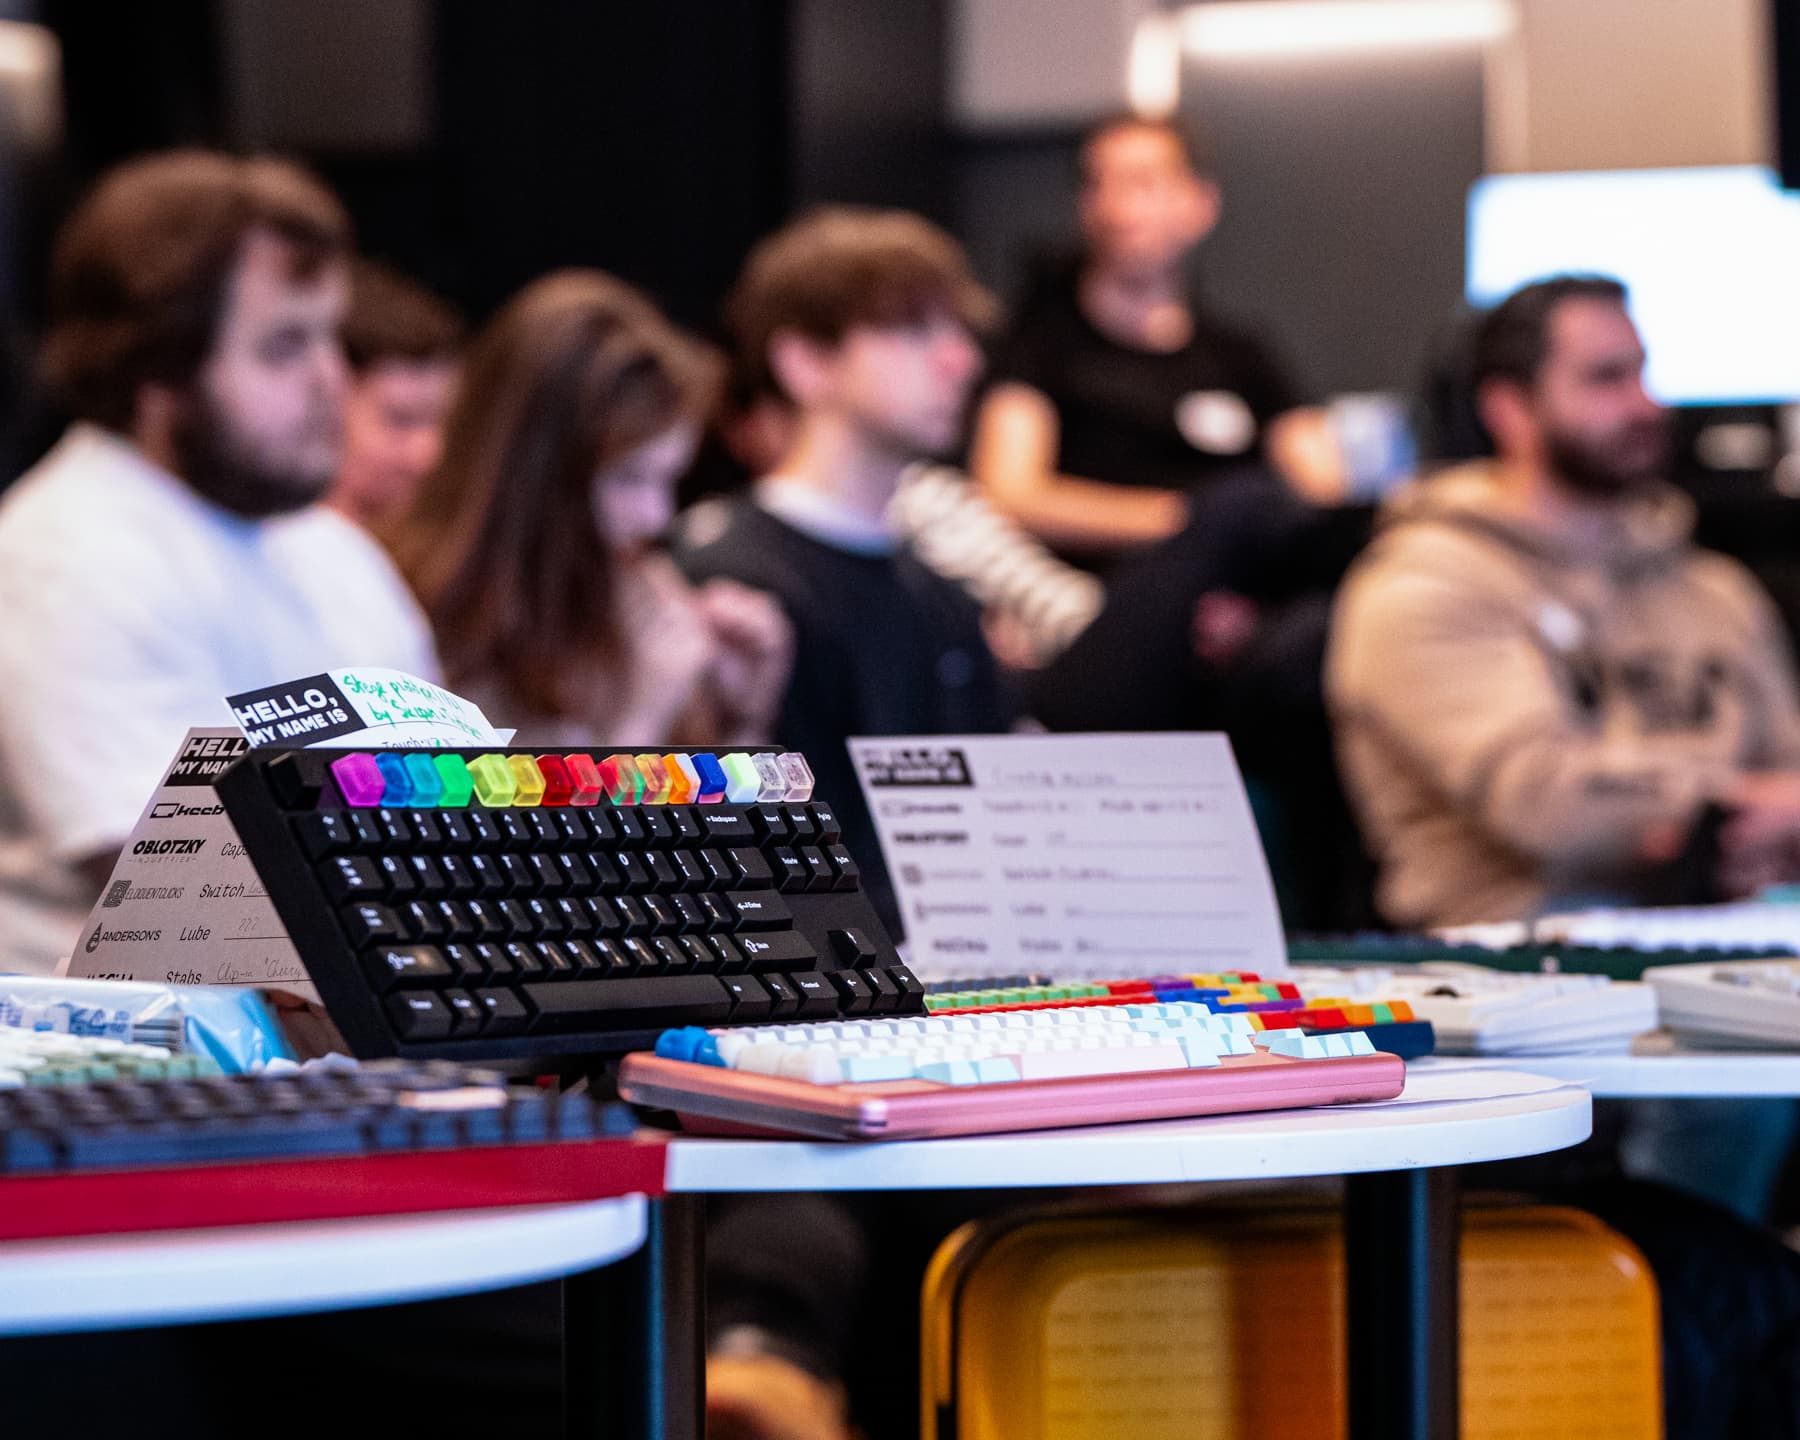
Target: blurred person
[402, 343]
[1116, 394]
[1541, 686]
[864, 320]
[168, 551]
[1034, 604]
[1538, 680]
[532, 545]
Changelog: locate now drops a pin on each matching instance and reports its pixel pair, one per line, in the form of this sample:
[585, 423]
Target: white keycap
[861, 1069]
[816, 1065]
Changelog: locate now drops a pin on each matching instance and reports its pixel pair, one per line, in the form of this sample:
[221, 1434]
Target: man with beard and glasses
[168, 551]
[1538, 683]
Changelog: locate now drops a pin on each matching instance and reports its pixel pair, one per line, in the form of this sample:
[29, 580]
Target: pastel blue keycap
[867, 1069]
[427, 781]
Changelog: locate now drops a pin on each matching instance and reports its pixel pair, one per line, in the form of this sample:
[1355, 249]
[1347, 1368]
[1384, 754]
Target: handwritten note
[1072, 855]
[361, 707]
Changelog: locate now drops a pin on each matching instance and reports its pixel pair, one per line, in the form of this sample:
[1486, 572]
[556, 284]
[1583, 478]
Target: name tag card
[1078, 856]
[379, 709]
[184, 905]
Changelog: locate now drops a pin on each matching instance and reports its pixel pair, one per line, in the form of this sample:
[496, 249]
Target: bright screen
[1712, 258]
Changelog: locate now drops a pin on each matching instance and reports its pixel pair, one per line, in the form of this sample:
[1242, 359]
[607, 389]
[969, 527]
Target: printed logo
[922, 765]
[309, 710]
[123, 890]
[174, 809]
[204, 758]
[102, 935]
[168, 847]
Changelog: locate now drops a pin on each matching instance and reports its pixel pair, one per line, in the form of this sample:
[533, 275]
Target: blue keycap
[711, 773]
[393, 774]
[680, 1044]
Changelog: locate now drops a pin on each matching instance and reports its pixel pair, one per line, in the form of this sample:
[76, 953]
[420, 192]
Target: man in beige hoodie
[1537, 680]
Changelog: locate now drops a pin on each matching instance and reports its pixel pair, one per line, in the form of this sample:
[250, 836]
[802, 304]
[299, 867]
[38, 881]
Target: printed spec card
[1078, 856]
[184, 905]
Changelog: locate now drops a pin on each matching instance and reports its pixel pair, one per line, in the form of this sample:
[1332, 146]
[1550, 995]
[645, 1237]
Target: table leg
[1401, 1246]
[634, 1334]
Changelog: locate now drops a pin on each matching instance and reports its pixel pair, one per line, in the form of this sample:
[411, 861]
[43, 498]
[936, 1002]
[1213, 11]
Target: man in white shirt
[168, 551]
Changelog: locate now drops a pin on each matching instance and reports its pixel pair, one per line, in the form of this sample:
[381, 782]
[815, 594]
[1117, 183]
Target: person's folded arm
[1014, 458]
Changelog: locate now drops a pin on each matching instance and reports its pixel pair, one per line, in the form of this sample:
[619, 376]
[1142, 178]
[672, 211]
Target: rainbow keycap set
[1266, 1005]
[503, 905]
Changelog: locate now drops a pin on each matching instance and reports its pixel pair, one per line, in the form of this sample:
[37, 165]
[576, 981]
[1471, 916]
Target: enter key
[760, 910]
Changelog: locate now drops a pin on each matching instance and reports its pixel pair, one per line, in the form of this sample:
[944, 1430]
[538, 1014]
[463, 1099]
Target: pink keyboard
[922, 1076]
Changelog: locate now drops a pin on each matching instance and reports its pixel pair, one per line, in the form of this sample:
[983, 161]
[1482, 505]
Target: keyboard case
[714, 1101]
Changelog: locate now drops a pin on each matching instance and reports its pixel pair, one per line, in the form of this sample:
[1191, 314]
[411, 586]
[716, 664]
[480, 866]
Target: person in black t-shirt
[864, 321]
[1115, 394]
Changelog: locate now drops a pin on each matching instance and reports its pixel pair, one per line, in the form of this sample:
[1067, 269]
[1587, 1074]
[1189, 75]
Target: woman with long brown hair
[531, 544]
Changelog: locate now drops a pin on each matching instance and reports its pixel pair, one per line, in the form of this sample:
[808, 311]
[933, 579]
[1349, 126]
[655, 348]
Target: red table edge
[255, 1192]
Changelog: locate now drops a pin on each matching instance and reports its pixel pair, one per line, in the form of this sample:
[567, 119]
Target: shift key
[779, 950]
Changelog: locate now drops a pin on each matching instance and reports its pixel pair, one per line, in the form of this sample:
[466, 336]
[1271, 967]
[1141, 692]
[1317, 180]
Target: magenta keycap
[359, 777]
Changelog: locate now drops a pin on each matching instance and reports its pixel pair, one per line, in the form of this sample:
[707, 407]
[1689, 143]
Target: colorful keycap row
[1267, 1005]
[1231, 990]
[432, 779]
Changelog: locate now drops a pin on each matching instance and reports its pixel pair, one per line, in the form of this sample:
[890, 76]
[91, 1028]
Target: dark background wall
[480, 145]
[1344, 184]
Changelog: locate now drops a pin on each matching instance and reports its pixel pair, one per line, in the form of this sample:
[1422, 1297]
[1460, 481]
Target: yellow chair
[1214, 1325]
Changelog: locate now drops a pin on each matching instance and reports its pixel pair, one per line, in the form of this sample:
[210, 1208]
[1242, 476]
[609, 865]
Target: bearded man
[1538, 684]
[169, 551]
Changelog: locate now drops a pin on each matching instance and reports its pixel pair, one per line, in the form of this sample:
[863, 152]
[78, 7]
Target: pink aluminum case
[715, 1101]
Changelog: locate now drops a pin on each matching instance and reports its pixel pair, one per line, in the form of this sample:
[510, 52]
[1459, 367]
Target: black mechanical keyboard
[505, 905]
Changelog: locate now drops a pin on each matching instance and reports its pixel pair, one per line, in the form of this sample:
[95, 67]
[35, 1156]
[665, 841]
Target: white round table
[245, 1271]
[1454, 1116]
[1655, 1069]
[1401, 1231]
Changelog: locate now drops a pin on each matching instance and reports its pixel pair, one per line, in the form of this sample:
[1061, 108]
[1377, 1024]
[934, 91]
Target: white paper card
[184, 905]
[1078, 856]
[365, 708]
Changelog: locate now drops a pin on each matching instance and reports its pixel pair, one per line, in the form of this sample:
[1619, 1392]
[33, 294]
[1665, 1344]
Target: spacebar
[627, 1004]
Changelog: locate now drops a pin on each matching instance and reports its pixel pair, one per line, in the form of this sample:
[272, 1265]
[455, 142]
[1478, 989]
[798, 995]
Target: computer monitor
[1711, 255]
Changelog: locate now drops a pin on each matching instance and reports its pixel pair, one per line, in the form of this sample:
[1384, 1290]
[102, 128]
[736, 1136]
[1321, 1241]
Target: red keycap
[557, 785]
[585, 787]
